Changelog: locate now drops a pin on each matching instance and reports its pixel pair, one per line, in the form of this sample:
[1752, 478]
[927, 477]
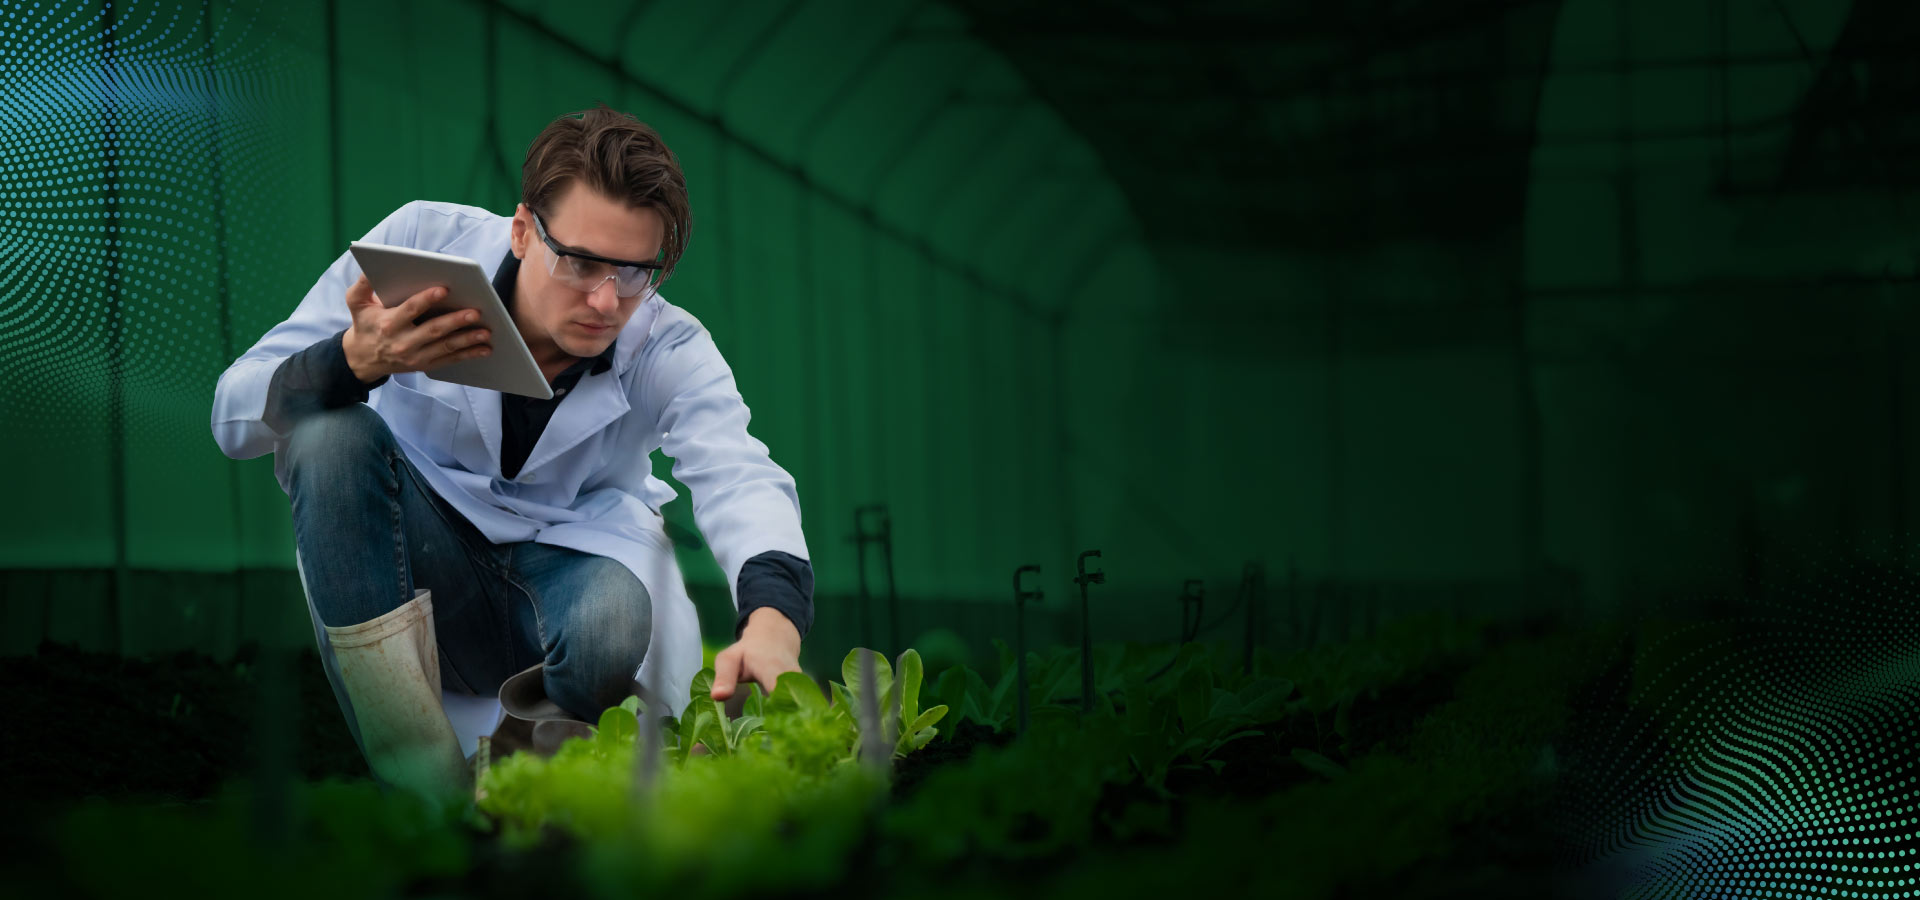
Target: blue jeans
[370, 530]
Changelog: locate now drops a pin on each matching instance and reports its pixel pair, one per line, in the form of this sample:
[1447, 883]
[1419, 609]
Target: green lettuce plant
[903, 724]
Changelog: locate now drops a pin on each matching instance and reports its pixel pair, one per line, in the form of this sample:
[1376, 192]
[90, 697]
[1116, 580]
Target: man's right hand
[386, 341]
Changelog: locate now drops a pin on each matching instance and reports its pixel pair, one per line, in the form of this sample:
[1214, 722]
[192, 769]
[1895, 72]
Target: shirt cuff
[780, 580]
[313, 379]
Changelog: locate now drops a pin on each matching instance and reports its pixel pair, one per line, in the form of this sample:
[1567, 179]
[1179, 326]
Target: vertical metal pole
[1020, 662]
[860, 555]
[1084, 579]
[646, 757]
[893, 595]
[1020, 597]
[873, 750]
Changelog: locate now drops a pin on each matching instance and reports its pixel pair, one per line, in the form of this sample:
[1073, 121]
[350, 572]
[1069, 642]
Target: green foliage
[584, 786]
[778, 804]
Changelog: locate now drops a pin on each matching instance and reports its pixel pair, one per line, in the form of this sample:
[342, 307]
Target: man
[450, 535]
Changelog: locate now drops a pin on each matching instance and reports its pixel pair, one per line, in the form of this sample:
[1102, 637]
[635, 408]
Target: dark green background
[1506, 305]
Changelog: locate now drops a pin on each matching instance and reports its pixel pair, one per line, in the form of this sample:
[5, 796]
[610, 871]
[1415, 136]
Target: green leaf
[1223, 703]
[688, 732]
[978, 690]
[908, 674]
[890, 712]
[631, 704]
[1343, 718]
[915, 737]
[968, 712]
[710, 731]
[702, 685]
[1055, 675]
[1317, 763]
[910, 738]
[927, 719]
[1005, 654]
[618, 725]
[951, 687]
[850, 673]
[1138, 703]
[1160, 717]
[743, 727]
[1222, 742]
[843, 702]
[797, 690]
[1193, 747]
[1265, 699]
[1103, 704]
[756, 703]
[1000, 705]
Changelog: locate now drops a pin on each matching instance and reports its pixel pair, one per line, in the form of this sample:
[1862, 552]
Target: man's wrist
[767, 617]
[363, 369]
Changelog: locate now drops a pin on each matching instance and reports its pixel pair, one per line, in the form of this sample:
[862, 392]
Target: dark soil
[970, 736]
[163, 728]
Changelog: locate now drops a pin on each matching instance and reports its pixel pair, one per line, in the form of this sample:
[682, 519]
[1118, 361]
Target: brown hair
[618, 156]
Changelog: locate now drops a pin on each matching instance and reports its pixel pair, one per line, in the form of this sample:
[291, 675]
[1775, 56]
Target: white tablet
[400, 272]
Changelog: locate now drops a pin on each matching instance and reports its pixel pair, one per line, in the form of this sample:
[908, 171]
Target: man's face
[557, 320]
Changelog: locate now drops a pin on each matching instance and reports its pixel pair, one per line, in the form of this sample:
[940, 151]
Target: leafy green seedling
[903, 724]
[706, 723]
[1318, 764]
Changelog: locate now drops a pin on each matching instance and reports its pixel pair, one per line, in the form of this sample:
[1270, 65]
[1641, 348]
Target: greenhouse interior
[1400, 448]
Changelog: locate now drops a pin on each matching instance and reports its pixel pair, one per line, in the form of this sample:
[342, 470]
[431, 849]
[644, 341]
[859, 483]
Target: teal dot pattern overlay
[1771, 750]
[135, 140]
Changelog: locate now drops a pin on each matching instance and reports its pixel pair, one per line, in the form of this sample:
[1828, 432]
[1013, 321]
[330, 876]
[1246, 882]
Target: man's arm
[241, 399]
[744, 503]
[778, 581]
[314, 379]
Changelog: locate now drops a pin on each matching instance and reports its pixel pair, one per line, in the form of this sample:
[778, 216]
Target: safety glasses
[585, 272]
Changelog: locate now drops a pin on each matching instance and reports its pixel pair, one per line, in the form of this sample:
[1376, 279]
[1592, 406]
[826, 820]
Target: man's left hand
[768, 647]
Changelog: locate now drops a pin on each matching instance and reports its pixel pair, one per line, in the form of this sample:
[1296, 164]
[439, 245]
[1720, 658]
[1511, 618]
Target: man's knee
[331, 442]
[603, 643]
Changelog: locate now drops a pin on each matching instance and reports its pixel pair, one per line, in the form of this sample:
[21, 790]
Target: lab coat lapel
[484, 406]
[592, 405]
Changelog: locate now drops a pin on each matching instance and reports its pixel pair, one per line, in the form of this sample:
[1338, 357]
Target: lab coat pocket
[420, 419]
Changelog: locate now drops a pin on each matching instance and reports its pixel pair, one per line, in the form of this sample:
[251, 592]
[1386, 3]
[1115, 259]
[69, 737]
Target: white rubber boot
[391, 669]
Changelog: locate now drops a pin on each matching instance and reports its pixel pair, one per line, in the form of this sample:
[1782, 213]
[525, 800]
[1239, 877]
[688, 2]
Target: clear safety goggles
[585, 272]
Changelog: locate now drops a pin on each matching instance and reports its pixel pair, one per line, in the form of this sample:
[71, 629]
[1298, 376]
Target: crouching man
[462, 540]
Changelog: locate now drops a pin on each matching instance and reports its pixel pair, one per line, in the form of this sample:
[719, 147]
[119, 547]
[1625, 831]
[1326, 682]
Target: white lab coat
[587, 484]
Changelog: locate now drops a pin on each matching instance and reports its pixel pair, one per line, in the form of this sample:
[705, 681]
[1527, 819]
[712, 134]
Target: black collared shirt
[523, 418]
[318, 377]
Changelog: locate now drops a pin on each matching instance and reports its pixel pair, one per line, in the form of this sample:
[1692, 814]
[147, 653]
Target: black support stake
[860, 538]
[1193, 595]
[1086, 627]
[1020, 597]
[893, 596]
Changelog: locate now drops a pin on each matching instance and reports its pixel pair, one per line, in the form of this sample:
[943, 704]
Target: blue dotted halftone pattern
[133, 141]
[1769, 753]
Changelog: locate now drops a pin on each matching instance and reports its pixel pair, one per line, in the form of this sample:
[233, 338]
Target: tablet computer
[397, 273]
